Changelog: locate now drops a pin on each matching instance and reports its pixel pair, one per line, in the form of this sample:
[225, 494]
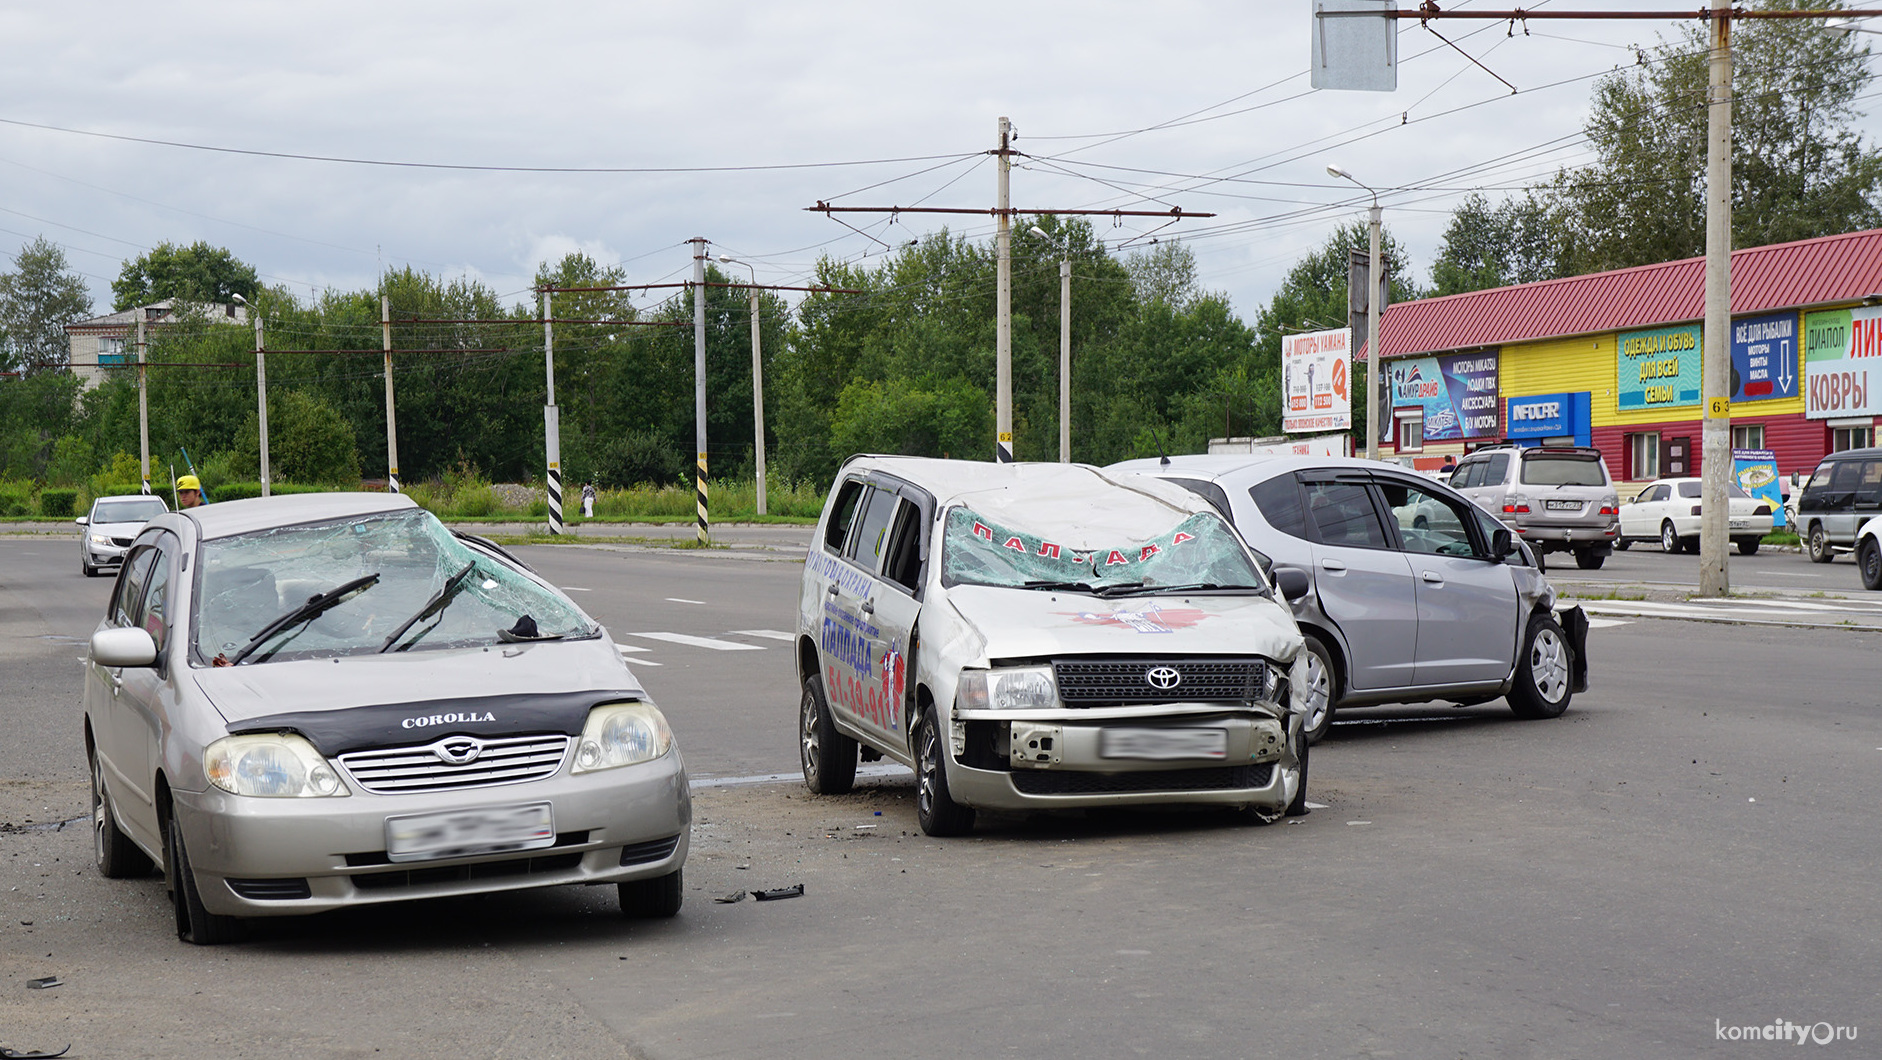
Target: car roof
[130, 497]
[1036, 493]
[1241, 466]
[229, 518]
[1854, 454]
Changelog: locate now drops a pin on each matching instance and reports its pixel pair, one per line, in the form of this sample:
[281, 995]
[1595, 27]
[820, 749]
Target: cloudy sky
[323, 142]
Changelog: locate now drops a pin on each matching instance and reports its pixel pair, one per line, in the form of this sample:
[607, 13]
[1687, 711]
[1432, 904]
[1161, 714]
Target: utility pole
[261, 400]
[699, 384]
[143, 406]
[1003, 311]
[1716, 359]
[1065, 358]
[757, 383]
[392, 431]
[551, 421]
[1374, 360]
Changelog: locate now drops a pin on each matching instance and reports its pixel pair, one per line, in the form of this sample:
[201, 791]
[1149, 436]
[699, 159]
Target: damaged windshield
[299, 592]
[1198, 553]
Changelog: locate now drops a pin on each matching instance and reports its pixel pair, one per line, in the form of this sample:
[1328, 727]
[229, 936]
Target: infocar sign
[1536, 417]
[1843, 363]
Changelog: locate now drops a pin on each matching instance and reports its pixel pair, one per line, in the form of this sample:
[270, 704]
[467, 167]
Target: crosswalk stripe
[768, 634]
[625, 648]
[699, 642]
[1598, 623]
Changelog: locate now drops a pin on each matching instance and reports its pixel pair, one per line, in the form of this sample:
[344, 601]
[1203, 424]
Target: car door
[1468, 618]
[1868, 501]
[1362, 580]
[1642, 518]
[869, 616]
[139, 694]
[104, 684]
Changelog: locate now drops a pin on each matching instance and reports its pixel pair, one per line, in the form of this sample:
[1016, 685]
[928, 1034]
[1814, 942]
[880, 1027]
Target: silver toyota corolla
[300, 703]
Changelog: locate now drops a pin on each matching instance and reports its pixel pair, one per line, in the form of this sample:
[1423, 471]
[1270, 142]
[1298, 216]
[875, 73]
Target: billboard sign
[1456, 391]
[1766, 359]
[1843, 363]
[1316, 381]
[1755, 471]
[1658, 368]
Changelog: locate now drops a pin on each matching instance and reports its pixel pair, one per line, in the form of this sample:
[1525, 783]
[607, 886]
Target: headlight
[621, 734]
[1021, 688]
[272, 765]
[100, 539]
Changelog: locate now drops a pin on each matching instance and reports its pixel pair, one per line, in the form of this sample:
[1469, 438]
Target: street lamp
[261, 392]
[1065, 345]
[757, 382]
[1373, 269]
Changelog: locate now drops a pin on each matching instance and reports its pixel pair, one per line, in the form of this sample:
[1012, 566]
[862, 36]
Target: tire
[828, 756]
[87, 569]
[1669, 539]
[935, 810]
[118, 858]
[1869, 563]
[1588, 559]
[194, 924]
[1748, 546]
[1818, 545]
[1297, 806]
[652, 899]
[1542, 688]
[1323, 690]
[1621, 544]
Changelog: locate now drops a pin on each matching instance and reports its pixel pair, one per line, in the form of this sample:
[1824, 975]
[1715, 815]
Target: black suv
[1843, 493]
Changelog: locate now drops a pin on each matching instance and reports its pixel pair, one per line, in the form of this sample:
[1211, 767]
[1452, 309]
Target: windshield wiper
[1187, 587]
[307, 612]
[438, 602]
[1083, 587]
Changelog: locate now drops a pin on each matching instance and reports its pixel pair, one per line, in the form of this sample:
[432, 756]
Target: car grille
[1102, 682]
[499, 760]
[1212, 778]
[483, 870]
[122, 542]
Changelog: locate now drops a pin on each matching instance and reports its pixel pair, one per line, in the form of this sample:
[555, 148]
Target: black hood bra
[337, 732]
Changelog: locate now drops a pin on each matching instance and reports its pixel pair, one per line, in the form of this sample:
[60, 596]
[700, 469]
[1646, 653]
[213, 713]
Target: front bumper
[102, 555]
[284, 857]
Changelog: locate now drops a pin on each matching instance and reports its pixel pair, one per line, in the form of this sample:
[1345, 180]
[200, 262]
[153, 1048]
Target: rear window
[1695, 489]
[1564, 469]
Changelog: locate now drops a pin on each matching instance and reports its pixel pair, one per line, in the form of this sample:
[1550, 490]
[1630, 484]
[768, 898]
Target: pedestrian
[1450, 465]
[189, 492]
[588, 501]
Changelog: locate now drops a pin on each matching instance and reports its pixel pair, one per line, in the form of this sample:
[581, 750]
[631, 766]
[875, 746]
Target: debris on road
[728, 899]
[793, 891]
[44, 984]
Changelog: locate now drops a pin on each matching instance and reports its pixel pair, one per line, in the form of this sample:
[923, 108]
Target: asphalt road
[1689, 849]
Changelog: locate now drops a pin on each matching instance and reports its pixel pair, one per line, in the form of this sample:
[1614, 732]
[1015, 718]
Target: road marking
[768, 634]
[1323, 806]
[575, 589]
[624, 648]
[1599, 623]
[700, 642]
[682, 600]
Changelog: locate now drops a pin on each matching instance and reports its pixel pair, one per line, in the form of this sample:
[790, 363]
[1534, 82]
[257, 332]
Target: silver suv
[1556, 498]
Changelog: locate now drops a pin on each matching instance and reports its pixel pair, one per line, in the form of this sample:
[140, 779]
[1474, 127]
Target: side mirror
[126, 646]
[1292, 581]
[1501, 543]
[83, 520]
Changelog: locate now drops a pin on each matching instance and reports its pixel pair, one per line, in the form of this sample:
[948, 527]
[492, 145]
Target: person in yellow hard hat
[189, 492]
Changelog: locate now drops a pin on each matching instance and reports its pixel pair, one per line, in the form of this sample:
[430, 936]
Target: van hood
[1024, 623]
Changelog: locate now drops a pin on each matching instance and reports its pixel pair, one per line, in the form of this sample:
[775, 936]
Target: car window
[1689, 489]
[135, 510]
[1427, 522]
[1208, 491]
[1843, 475]
[127, 602]
[154, 613]
[1661, 492]
[1496, 470]
[1563, 469]
[872, 533]
[1870, 486]
[1342, 514]
[1279, 502]
[1467, 475]
[1196, 550]
[902, 563]
[841, 516]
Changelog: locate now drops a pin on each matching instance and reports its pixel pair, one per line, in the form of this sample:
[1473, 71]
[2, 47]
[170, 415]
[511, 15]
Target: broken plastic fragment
[793, 891]
[728, 899]
[44, 984]
[30, 1054]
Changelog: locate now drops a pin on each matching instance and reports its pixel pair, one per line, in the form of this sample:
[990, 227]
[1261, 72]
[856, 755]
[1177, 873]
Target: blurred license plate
[1564, 506]
[1163, 743]
[457, 833]
[1740, 524]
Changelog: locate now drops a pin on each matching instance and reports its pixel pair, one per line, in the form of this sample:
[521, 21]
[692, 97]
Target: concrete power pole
[1715, 362]
[1003, 325]
[261, 400]
[392, 430]
[1065, 358]
[1374, 362]
[143, 406]
[699, 384]
[551, 421]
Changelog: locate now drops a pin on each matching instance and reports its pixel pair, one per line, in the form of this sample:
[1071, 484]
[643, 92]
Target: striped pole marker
[1003, 451]
[392, 481]
[700, 498]
[555, 499]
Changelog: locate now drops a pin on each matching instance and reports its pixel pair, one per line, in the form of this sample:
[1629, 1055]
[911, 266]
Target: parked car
[1415, 593]
[1555, 498]
[1041, 636]
[301, 703]
[105, 532]
[1667, 511]
[1844, 492]
[1869, 553]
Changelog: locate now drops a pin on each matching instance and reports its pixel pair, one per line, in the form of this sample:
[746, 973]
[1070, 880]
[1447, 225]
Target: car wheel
[1297, 806]
[654, 898]
[1818, 544]
[1869, 562]
[1748, 546]
[1542, 687]
[1621, 543]
[1669, 538]
[117, 857]
[828, 756]
[935, 809]
[1323, 690]
[194, 924]
[1589, 559]
[86, 568]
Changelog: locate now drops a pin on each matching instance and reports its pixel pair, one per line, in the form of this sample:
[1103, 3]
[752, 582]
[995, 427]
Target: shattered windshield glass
[246, 583]
[1199, 552]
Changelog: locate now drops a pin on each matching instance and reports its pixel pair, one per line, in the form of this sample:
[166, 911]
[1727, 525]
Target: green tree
[1489, 246]
[308, 442]
[1799, 169]
[195, 273]
[37, 300]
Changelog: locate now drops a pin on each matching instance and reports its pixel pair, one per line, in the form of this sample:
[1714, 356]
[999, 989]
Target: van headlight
[271, 765]
[1020, 688]
[621, 734]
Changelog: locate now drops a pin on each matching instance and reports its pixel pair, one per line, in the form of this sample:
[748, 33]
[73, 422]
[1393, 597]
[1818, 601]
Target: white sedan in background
[1869, 553]
[1668, 511]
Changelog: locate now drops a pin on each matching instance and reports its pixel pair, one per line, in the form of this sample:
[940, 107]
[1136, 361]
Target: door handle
[1432, 577]
[832, 590]
[1332, 565]
[868, 608]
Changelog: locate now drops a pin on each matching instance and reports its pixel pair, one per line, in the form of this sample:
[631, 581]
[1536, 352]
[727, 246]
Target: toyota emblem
[458, 750]
[1164, 677]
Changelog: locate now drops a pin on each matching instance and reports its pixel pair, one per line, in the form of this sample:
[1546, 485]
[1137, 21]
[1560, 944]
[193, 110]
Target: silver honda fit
[299, 703]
